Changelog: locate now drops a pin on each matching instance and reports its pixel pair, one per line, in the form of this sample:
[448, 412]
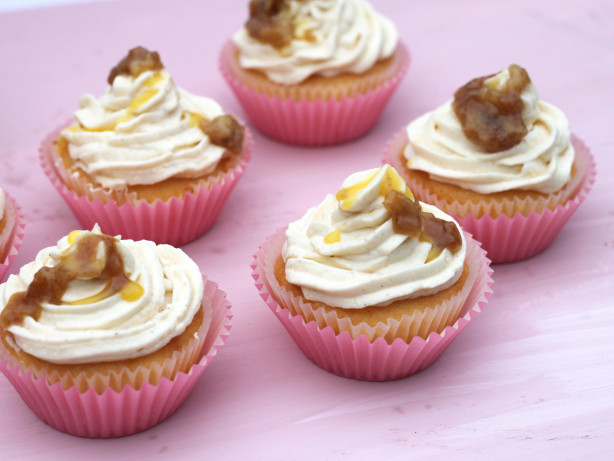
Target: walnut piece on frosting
[409, 219]
[224, 131]
[137, 61]
[268, 23]
[491, 116]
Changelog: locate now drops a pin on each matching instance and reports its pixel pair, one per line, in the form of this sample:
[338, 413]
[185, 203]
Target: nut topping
[224, 131]
[492, 117]
[409, 219]
[268, 23]
[50, 283]
[137, 61]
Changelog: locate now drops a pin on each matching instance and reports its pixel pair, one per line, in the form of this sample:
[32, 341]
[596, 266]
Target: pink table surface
[533, 375]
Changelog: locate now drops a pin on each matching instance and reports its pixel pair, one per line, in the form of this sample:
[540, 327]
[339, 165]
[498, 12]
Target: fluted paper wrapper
[363, 351]
[12, 233]
[303, 120]
[508, 239]
[175, 222]
[112, 413]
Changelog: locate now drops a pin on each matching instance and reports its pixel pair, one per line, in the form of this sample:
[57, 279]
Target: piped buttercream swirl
[345, 252]
[331, 37]
[541, 162]
[90, 324]
[143, 130]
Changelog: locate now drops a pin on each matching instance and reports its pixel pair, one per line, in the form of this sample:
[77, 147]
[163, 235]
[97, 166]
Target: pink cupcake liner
[175, 222]
[313, 123]
[520, 237]
[363, 358]
[116, 414]
[12, 234]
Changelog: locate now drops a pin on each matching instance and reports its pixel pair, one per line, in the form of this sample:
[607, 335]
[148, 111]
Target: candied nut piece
[137, 61]
[268, 23]
[492, 117]
[406, 214]
[224, 131]
[442, 234]
[409, 219]
[50, 283]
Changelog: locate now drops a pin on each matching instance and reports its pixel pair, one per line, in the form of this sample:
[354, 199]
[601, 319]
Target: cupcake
[11, 231]
[499, 160]
[371, 283]
[314, 72]
[147, 160]
[105, 337]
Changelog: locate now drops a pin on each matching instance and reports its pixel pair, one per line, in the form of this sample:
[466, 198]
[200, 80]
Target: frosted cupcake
[499, 160]
[147, 160]
[314, 72]
[96, 322]
[371, 283]
[11, 231]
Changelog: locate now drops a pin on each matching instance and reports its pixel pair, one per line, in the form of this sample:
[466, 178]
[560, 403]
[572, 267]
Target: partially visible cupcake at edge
[147, 159]
[378, 270]
[11, 230]
[102, 316]
[500, 160]
[314, 72]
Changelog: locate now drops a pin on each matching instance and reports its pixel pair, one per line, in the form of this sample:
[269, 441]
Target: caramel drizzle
[50, 283]
[391, 181]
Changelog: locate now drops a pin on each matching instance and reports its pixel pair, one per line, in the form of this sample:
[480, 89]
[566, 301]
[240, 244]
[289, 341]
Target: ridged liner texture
[362, 351]
[175, 222]
[111, 413]
[508, 239]
[300, 119]
[12, 233]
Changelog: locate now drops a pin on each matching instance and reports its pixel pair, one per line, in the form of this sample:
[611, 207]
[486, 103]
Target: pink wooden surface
[533, 375]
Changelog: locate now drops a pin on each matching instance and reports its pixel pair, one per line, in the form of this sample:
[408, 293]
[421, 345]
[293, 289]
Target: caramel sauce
[491, 116]
[409, 219]
[391, 181]
[193, 118]
[140, 100]
[135, 104]
[50, 283]
[153, 80]
[348, 195]
[333, 237]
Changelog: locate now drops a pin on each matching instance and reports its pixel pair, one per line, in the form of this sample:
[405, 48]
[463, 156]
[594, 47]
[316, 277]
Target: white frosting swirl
[368, 263]
[111, 328]
[141, 131]
[331, 37]
[541, 162]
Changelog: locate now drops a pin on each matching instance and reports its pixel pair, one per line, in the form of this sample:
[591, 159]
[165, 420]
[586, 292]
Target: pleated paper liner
[176, 221]
[12, 233]
[505, 238]
[111, 413]
[315, 116]
[100, 378]
[362, 351]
